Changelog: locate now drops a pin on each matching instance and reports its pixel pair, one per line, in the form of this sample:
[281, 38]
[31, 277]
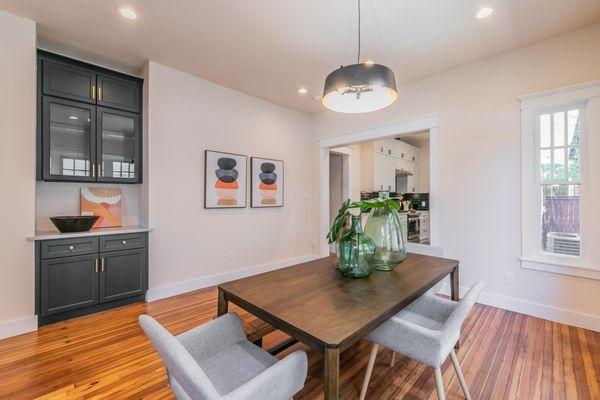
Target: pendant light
[360, 87]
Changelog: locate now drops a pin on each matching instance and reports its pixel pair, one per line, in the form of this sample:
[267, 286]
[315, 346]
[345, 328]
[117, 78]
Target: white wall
[17, 173]
[187, 115]
[54, 198]
[479, 166]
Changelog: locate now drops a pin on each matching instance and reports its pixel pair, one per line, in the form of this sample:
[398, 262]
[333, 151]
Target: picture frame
[225, 180]
[267, 182]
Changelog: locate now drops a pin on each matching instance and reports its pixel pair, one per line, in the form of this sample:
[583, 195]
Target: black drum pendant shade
[359, 88]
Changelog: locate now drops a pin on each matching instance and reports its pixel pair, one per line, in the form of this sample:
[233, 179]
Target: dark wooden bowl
[80, 223]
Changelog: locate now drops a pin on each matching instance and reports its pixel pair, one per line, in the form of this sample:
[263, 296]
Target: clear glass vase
[383, 226]
[355, 251]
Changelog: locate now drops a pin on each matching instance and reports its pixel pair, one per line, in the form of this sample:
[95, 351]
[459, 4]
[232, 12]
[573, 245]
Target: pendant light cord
[358, 57]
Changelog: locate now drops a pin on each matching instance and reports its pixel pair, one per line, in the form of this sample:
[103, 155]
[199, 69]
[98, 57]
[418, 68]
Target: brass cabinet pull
[96, 265]
[103, 264]
[94, 92]
[93, 170]
[99, 92]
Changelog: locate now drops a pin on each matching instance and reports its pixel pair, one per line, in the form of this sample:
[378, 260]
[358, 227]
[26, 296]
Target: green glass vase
[355, 251]
[383, 226]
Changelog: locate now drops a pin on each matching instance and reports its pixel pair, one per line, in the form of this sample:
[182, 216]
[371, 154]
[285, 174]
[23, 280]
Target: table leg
[332, 373]
[454, 292]
[222, 304]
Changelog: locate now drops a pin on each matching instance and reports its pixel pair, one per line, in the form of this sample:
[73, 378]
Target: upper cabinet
[89, 123]
[119, 93]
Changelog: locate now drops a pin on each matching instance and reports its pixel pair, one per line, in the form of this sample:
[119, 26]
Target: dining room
[184, 216]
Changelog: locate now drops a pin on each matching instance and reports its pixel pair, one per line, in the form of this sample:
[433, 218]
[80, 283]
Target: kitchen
[399, 166]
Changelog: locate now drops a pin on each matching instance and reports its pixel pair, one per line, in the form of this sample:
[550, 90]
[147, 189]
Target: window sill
[540, 264]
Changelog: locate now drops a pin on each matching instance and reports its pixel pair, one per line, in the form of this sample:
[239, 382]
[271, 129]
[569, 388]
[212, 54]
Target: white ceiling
[269, 48]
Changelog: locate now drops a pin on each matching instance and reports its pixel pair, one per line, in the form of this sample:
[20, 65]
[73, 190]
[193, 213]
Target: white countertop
[47, 235]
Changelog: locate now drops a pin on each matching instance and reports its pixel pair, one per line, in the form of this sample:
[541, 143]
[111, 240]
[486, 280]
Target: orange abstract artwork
[103, 202]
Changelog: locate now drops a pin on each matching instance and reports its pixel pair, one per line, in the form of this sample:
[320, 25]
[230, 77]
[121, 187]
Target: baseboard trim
[551, 313]
[18, 326]
[162, 292]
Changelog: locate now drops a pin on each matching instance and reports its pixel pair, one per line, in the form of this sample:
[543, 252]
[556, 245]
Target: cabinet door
[119, 93]
[123, 274]
[390, 174]
[68, 82]
[379, 166]
[119, 144]
[412, 179]
[68, 137]
[68, 283]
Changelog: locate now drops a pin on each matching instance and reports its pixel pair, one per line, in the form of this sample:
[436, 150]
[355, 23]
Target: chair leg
[363, 391]
[459, 374]
[393, 359]
[439, 384]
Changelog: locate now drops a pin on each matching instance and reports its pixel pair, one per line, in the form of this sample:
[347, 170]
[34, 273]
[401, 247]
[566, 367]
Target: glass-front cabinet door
[118, 141]
[69, 140]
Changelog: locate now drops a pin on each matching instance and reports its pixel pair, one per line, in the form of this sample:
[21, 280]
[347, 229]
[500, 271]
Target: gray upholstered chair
[426, 331]
[215, 361]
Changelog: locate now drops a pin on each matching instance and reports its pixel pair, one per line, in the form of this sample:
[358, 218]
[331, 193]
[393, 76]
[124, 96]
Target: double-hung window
[560, 143]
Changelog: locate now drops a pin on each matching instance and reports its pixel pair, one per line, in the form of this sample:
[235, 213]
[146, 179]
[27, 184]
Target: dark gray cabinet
[123, 274]
[119, 93]
[117, 139]
[90, 123]
[69, 148]
[68, 81]
[78, 276]
[68, 283]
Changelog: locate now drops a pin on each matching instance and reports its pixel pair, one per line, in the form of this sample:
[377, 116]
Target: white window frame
[587, 98]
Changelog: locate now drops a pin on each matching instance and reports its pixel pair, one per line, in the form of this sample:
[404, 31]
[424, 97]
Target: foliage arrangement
[364, 206]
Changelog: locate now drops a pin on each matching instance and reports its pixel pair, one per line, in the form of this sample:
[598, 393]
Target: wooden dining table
[314, 304]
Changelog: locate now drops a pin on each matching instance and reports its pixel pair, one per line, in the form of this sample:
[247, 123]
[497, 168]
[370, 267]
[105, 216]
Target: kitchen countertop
[48, 235]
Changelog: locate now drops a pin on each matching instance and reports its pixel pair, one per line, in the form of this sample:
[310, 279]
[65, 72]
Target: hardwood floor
[504, 355]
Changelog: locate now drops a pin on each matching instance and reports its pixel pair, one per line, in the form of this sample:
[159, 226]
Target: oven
[414, 228]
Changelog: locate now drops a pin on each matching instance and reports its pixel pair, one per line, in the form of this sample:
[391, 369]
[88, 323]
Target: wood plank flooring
[504, 355]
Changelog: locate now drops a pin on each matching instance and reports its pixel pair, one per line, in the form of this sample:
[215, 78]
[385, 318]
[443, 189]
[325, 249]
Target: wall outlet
[509, 278]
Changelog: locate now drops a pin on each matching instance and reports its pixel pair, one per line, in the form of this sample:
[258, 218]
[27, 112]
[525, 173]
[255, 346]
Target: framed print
[267, 182]
[103, 202]
[225, 177]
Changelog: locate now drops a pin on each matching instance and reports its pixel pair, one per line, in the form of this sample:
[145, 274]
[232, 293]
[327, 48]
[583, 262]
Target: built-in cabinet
[78, 276]
[89, 123]
[391, 158]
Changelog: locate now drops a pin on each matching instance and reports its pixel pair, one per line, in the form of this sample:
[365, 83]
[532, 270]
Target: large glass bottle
[383, 226]
[355, 251]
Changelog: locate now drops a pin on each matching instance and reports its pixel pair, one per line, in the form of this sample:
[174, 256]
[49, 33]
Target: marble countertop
[48, 235]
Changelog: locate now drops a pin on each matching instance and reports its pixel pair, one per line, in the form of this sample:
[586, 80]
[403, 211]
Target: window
[558, 134]
[123, 170]
[560, 174]
[75, 166]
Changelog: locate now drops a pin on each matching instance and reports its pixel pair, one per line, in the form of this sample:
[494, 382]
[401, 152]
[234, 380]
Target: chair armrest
[213, 337]
[279, 382]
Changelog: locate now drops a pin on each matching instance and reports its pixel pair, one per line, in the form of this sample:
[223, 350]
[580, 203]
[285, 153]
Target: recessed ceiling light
[484, 12]
[73, 117]
[369, 62]
[128, 13]
[302, 90]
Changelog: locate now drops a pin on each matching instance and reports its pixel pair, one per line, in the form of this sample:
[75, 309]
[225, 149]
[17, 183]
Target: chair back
[181, 366]
[459, 314]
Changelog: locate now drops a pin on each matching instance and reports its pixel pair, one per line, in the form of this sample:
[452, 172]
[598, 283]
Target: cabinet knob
[124, 242]
[71, 247]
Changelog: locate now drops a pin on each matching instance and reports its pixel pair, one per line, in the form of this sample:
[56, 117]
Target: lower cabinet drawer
[122, 242]
[68, 283]
[69, 247]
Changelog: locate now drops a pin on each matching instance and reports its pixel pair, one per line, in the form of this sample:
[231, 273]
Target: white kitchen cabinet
[412, 179]
[386, 147]
[384, 172]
